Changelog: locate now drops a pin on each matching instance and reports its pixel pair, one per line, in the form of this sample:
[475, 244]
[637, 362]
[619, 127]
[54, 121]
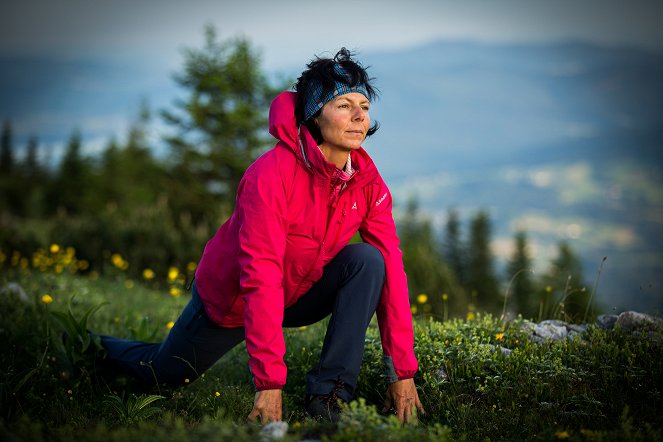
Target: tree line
[158, 211]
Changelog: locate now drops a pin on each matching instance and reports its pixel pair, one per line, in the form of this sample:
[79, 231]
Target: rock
[552, 330]
[15, 289]
[274, 430]
[442, 374]
[606, 322]
[631, 321]
[505, 351]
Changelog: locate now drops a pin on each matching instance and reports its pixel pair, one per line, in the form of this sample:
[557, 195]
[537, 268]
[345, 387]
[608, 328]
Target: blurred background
[522, 140]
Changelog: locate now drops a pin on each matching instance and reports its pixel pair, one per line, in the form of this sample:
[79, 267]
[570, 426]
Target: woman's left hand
[402, 396]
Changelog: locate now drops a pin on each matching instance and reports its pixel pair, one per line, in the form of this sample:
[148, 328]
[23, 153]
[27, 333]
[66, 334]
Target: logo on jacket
[381, 199]
[354, 206]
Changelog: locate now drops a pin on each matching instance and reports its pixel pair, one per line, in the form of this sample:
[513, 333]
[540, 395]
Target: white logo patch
[378, 202]
[354, 206]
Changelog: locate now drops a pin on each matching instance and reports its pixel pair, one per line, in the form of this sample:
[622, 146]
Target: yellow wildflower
[499, 336]
[173, 272]
[170, 325]
[186, 381]
[414, 309]
[191, 267]
[47, 299]
[148, 274]
[217, 394]
[70, 392]
[548, 289]
[470, 316]
[117, 260]
[302, 328]
[83, 264]
[422, 298]
[445, 296]
[129, 284]
[562, 434]
[54, 248]
[175, 292]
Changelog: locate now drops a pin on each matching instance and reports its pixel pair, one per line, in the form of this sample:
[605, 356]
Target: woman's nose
[358, 113]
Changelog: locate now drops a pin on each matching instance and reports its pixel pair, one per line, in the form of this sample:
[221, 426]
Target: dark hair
[321, 71]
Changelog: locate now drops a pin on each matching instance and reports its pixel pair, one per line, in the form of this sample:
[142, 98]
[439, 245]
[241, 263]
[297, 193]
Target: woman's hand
[402, 396]
[267, 406]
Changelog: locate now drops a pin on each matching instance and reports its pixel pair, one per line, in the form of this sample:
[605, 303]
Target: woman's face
[344, 122]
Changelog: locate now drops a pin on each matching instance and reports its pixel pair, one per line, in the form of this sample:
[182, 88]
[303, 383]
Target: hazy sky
[291, 31]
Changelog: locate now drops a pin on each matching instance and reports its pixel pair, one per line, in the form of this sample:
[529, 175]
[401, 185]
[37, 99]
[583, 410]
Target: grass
[605, 387]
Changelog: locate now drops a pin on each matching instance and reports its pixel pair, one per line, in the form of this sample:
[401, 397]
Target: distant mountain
[564, 140]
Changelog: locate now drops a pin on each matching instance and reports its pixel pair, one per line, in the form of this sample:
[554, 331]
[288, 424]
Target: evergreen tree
[221, 125]
[565, 285]
[6, 150]
[454, 251]
[481, 280]
[35, 181]
[72, 179]
[426, 270]
[519, 272]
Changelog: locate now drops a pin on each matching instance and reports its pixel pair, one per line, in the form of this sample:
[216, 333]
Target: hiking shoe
[325, 406]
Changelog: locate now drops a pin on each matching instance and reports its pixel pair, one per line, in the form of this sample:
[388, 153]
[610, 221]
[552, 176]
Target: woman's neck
[336, 156]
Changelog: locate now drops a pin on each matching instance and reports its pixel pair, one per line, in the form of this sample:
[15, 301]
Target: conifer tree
[522, 292]
[481, 280]
[221, 126]
[6, 150]
[565, 285]
[453, 246]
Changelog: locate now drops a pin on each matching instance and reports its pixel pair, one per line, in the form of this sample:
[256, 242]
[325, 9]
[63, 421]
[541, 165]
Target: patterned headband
[316, 98]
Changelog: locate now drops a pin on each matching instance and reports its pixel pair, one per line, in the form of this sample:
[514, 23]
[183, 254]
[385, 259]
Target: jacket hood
[283, 126]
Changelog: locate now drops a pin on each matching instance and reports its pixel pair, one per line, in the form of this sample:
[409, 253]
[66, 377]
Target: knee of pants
[369, 256]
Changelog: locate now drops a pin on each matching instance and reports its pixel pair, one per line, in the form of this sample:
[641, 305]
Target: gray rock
[576, 328]
[606, 322]
[442, 374]
[552, 330]
[274, 430]
[15, 289]
[505, 351]
[631, 321]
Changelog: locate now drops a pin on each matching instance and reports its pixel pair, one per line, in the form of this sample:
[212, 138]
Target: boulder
[633, 321]
[606, 322]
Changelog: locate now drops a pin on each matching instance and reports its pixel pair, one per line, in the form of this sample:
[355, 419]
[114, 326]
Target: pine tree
[565, 285]
[426, 270]
[522, 292]
[72, 182]
[481, 280]
[6, 150]
[221, 126]
[453, 247]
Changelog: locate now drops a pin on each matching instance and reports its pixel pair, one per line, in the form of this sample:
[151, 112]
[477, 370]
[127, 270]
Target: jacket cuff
[269, 387]
[390, 372]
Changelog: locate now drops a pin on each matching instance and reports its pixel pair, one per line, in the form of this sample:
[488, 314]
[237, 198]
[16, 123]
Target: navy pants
[349, 290]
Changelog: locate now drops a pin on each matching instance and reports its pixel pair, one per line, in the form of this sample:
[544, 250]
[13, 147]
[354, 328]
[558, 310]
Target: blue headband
[316, 98]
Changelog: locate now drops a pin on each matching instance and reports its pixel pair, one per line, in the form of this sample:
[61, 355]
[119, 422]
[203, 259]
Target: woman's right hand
[267, 406]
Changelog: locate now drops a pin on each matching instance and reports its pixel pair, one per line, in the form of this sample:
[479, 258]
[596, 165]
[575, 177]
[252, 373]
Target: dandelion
[445, 296]
[422, 298]
[170, 325]
[471, 316]
[175, 292]
[47, 299]
[414, 309]
[186, 381]
[562, 434]
[116, 260]
[191, 267]
[302, 328]
[217, 394]
[129, 283]
[499, 336]
[548, 289]
[55, 248]
[148, 274]
[173, 272]
[70, 392]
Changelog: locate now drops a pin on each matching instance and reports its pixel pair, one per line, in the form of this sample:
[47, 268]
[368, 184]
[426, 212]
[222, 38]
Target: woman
[283, 260]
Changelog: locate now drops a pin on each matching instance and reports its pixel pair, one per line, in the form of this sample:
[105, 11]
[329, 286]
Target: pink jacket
[284, 231]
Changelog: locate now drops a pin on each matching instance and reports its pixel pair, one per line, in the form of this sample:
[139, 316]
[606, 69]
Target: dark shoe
[325, 406]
